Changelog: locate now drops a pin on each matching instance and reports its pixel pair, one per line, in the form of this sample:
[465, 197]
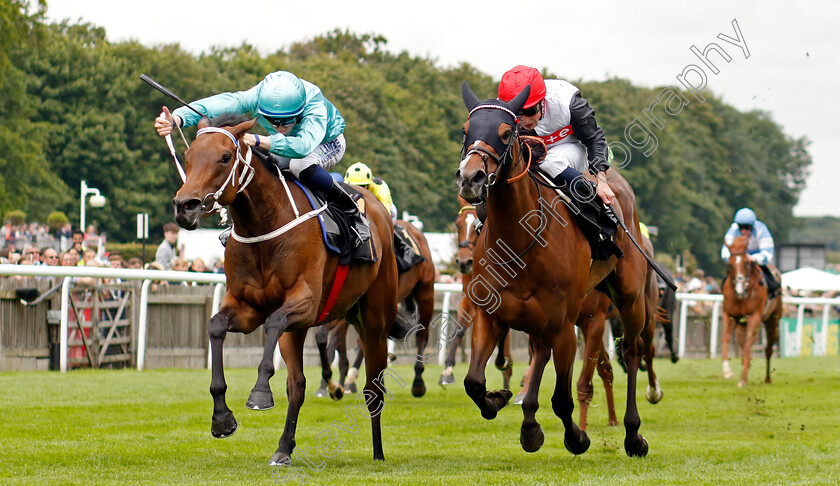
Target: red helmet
[515, 81]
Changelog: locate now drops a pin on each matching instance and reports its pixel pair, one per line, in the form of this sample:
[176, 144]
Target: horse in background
[745, 298]
[539, 288]
[280, 275]
[466, 227]
[417, 295]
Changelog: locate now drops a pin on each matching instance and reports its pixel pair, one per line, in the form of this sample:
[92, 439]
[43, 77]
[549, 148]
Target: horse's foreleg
[261, 397]
[486, 334]
[224, 423]
[726, 338]
[531, 436]
[562, 403]
[292, 348]
[321, 337]
[746, 338]
[526, 379]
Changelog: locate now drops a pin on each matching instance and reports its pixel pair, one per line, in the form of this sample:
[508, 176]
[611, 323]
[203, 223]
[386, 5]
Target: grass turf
[153, 427]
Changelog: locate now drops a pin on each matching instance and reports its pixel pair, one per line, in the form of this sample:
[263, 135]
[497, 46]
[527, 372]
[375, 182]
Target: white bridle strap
[493, 107]
[247, 171]
[279, 231]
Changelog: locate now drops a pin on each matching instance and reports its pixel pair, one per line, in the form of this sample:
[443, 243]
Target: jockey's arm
[591, 135]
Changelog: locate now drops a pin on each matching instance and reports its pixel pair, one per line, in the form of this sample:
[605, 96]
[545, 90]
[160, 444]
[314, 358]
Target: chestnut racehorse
[279, 273]
[532, 269]
[745, 299]
[465, 227]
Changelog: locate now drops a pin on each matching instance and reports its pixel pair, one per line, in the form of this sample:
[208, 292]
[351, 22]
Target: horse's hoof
[504, 365]
[636, 450]
[260, 400]
[500, 398]
[533, 439]
[391, 358]
[446, 379]
[321, 392]
[727, 371]
[520, 397]
[280, 459]
[418, 388]
[351, 388]
[337, 393]
[742, 384]
[579, 446]
[223, 426]
[612, 422]
[674, 357]
[654, 395]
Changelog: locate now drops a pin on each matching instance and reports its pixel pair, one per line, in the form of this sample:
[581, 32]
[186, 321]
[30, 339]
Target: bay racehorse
[279, 273]
[745, 299]
[467, 231]
[532, 269]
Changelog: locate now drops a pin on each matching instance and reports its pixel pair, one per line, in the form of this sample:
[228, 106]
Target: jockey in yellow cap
[360, 174]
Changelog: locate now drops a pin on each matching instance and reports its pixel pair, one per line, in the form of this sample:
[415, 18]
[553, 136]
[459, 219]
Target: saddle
[406, 250]
[336, 230]
[598, 224]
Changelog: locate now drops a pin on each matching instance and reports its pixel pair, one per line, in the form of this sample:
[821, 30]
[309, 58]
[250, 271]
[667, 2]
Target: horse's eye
[226, 157]
[506, 136]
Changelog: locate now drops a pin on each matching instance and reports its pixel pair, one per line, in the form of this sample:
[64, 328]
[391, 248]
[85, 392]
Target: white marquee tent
[807, 278]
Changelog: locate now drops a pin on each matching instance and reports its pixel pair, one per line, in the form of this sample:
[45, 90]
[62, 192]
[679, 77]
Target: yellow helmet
[358, 174]
[643, 227]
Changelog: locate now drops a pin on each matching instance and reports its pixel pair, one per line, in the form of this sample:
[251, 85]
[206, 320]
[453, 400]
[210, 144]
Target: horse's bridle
[744, 280]
[244, 178]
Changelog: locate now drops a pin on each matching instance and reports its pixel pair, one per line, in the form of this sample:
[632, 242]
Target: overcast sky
[792, 71]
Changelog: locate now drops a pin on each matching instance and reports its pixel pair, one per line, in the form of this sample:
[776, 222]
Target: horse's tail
[406, 322]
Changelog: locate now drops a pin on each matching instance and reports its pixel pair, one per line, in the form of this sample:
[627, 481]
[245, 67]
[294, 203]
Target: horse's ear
[204, 122]
[243, 128]
[470, 99]
[517, 103]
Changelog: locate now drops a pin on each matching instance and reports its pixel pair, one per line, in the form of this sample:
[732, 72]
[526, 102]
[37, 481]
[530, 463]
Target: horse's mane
[228, 120]
[739, 245]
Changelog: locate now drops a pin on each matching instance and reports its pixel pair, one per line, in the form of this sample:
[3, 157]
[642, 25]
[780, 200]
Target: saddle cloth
[335, 230]
[406, 250]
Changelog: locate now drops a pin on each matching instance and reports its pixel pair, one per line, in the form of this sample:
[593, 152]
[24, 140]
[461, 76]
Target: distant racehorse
[745, 299]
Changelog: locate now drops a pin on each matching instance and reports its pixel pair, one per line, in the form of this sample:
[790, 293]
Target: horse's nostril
[188, 206]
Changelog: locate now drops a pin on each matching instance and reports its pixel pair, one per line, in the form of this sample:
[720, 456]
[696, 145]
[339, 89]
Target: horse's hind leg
[292, 348]
[531, 436]
[668, 328]
[321, 337]
[771, 327]
[605, 371]
[338, 344]
[504, 360]
[653, 393]
[376, 360]
[261, 397]
[565, 343]
[425, 302]
[746, 338]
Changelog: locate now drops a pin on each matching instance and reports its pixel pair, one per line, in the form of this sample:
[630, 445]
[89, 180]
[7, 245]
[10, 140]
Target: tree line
[75, 109]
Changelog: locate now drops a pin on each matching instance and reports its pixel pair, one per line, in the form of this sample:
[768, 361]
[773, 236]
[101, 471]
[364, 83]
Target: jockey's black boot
[597, 224]
[773, 286]
[357, 220]
[316, 177]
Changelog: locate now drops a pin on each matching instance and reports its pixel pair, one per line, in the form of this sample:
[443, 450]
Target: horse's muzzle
[472, 188]
[465, 266]
[187, 212]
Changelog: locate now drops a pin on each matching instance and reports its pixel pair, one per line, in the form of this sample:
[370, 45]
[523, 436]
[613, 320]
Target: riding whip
[611, 212]
[154, 84]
